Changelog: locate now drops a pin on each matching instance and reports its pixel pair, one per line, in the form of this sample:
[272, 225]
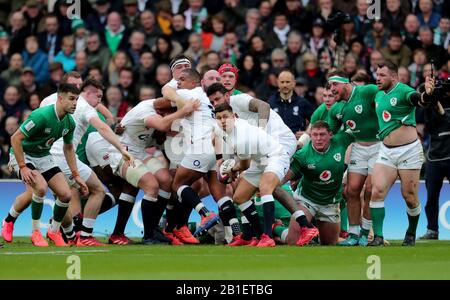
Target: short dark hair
[396, 34]
[321, 124]
[216, 87]
[222, 107]
[127, 69]
[361, 77]
[65, 88]
[92, 82]
[73, 74]
[392, 67]
[193, 74]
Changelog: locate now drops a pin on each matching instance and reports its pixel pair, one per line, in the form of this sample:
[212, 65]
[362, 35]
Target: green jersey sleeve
[334, 116]
[296, 163]
[33, 124]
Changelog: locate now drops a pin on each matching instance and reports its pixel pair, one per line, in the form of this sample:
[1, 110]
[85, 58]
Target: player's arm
[260, 107]
[165, 123]
[16, 143]
[106, 113]
[69, 154]
[426, 98]
[171, 94]
[332, 119]
[106, 132]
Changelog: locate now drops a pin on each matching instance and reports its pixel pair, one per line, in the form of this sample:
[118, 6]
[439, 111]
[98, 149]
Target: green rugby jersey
[321, 113]
[394, 109]
[322, 171]
[42, 128]
[236, 92]
[357, 114]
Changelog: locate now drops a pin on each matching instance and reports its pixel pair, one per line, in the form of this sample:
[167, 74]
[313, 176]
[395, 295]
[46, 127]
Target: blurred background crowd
[128, 44]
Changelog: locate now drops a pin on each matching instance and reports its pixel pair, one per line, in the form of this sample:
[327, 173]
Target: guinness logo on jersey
[393, 101]
[359, 109]
[65, 131]
[337, 157]
[351, 124]
[386, 116]
[325, 175]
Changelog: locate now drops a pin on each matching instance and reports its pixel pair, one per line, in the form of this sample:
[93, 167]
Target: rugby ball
[224, 169]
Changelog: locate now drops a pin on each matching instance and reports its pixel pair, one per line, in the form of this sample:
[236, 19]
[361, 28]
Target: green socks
[377, 212]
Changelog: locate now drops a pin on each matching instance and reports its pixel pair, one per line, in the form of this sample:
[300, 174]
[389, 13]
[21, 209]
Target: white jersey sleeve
[241, 104]
[172, 83]
[51, 99]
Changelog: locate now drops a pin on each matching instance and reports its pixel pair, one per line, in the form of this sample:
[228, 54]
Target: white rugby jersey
[82, 115]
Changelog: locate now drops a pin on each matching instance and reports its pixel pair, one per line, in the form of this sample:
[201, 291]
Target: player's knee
[97, 189]
[65, 196]
[41, 190]
[149, 184]
[164, 179]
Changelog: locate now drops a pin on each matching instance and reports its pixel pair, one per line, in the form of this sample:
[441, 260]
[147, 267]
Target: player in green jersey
[401, 153]
[229, 74]
[322, 164]
[355, 110]
[33, 163]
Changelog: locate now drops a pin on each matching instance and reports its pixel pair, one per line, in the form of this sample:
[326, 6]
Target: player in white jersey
[252, 145]
[84, 116]
[149, 172]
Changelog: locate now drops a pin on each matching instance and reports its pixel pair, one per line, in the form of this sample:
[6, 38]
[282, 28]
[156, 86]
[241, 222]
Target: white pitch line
[53, 252]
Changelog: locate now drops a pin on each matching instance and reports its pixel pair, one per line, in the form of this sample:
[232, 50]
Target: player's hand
[127, 157]
[429, 85]
[82, 186]
[298, 134]
[119, 130]
[27, 175]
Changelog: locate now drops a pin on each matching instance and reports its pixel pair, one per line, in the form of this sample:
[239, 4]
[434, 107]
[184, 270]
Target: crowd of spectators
[128, 44]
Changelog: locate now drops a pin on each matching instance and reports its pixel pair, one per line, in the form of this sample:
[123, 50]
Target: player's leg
[61, 190]
[328, 232]
[242, 197]
[20, 204]
[383, 177]
[267, 184]
[301, 235]
[366, 220]
[410, 192]
[39, 188]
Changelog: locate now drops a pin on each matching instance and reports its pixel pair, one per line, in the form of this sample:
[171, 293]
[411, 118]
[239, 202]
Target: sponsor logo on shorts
[386, 116]
[359, 108]
[337, 157]
[196, 163]
[393, 101]
[352, 162]
[351, 124]
[325, 175]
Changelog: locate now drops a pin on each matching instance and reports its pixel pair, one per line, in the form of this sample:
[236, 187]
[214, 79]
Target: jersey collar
[56, 113]
[395, 86]
[324, 152]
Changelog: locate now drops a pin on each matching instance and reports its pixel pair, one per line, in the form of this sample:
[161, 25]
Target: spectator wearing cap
[36, 59]
[34, 17]
[377, 36]
[80, 34]
[396, 51]
[313, 75]
[56, 74]
[67, 54]
[50, 40]
[115, 34]
[17, 32]
[12, 74]
[131, 16]
[97, 54]
[96, 20]
[179, 31]
[293, 109]
[427, 16]
[229, 75]
[27, 84]
[12, 103]
[317, 39]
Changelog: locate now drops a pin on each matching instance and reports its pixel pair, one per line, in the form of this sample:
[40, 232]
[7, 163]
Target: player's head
[218, 94]
[209, 78]
[189, 79]
[178, 64]
[229, 74]
[224, 116]
[360, 78]
[68, 96]
[320, 135]
[92, 91]
[387, 75]
[340, 84]
[72, 77]
[328, 97]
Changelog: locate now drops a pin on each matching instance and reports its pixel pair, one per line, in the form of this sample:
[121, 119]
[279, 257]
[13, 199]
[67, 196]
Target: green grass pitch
[427, 260]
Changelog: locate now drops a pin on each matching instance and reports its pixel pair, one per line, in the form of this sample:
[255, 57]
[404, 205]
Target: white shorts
[100, 152]
[199, 162]
[83, 169]
[327, 213]
[173, 147]
[363, 158]
[407, 157]
[41, 164]
[277, 164]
